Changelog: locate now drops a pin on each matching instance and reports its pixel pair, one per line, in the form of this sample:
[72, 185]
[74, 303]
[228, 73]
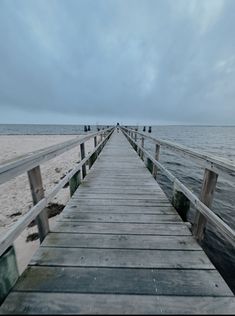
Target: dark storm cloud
[146, 60]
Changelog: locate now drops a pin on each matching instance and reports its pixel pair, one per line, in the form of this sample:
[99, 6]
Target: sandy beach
[15, 196]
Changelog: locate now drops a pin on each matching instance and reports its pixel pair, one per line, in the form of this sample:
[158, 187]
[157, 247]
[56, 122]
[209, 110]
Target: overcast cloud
[70, 61]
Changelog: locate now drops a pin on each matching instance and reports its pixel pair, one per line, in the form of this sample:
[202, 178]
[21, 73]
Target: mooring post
[8, 272]
[74, 182]
[82, 150]
[207, 193]
[181, 203]
[157, 154]
[36, 187]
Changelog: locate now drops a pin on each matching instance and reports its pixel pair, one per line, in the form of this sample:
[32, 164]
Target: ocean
[216, 140]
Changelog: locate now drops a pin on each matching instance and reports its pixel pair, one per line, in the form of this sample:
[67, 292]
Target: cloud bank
[65, 61]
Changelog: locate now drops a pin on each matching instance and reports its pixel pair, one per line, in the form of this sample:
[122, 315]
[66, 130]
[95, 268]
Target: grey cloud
[141, 60]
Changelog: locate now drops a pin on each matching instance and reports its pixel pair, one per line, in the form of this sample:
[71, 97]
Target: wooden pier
[119, 247]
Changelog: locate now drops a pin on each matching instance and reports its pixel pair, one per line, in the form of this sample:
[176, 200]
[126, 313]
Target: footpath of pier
[119, 247]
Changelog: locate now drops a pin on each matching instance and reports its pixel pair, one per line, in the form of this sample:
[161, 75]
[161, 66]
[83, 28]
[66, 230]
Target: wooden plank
[79, 197]
[163, 209]
[118, 218]
[123, 281]
[175, 229]
[119, 190]
[121, 202]
[131, 258]
[120, 241]
[102, 304]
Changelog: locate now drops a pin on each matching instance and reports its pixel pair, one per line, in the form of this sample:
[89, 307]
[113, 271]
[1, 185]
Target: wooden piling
[74, 182]
[181, 203]
[8, 272]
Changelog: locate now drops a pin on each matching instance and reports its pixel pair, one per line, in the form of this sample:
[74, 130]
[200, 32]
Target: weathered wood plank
[121, 241]
[120, 202]
[131, 258]
[123, 281]
[61, 303]
[104, 196]
[117, 218]
[177, 229]
[163, 209]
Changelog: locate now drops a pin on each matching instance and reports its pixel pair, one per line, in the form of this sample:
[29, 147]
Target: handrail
[224, 229]
[27, 218]
[14, 168]
[215, 164]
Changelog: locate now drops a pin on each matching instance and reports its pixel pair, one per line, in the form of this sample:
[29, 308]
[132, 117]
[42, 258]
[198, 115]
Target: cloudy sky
[133, 61]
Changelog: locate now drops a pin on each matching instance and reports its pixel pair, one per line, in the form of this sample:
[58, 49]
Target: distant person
[118, 127]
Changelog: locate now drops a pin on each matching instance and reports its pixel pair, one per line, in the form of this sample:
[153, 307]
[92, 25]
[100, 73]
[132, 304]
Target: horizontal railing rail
[201, 207]
[11, 169]
[215, 164]
[41, 203]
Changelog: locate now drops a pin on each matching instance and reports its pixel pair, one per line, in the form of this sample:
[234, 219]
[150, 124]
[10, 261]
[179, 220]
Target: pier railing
[182, 196]
[30, 163]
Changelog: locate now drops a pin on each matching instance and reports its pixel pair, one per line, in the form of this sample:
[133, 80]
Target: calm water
[216, 140]
[33, 129]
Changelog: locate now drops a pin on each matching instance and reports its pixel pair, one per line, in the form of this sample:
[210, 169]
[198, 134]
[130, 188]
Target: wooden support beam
[36, 187]
[83, 154]
[207, 193]
[157, 154]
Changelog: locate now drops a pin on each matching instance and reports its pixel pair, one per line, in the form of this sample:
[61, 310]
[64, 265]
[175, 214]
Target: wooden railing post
[135, 136]
[74, 182]
[157, 154]
[83, 154]
[142, 145]
[207, 193]
[181, 203]
[36, 187]
[95, 141]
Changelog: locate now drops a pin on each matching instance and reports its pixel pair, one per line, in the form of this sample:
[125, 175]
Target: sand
[15, 196]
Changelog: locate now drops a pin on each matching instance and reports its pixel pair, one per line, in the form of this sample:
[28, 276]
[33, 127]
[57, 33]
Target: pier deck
[120, 247]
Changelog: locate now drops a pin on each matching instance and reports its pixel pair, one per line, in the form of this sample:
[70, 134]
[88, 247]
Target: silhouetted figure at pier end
[144, 129]
[150, 129]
